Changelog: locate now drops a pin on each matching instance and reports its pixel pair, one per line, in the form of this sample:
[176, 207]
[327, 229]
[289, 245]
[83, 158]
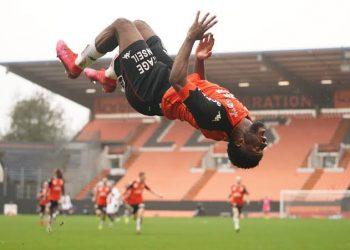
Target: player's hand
[205, 46]
[199, 27]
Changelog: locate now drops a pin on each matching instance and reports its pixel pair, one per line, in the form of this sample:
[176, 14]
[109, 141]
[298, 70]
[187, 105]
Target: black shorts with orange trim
[53, 205]
[238, 206]
[144, 69]
[42, 209]
[136, 207]
[101, 208]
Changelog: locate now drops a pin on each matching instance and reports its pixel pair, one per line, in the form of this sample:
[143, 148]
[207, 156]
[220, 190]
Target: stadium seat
[278, 169]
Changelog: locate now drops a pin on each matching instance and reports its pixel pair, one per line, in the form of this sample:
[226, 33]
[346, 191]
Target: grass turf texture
[80, 232]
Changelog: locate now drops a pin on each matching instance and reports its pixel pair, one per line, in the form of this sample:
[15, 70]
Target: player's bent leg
[235, 212]
[107, 78]
[127, 213]
[121, 31]
[52, 210]
[145, 30]
[102, 217]
[107, 40]
[111, 219]
[154, 42]
[142, 74]
[139, 219]
[126, 32]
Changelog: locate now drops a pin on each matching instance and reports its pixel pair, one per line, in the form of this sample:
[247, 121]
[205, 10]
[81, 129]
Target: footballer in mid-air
[155, 84]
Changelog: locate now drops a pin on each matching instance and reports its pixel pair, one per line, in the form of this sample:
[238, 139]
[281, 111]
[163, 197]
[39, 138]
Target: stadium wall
[27, 206]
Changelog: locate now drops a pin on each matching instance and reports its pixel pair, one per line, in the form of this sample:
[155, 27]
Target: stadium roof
[303, 69]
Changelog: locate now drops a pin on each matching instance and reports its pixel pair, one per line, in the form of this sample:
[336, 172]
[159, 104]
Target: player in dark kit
[156, 85]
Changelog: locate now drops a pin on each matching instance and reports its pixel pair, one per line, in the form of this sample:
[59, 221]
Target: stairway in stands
[85, 191]
[136, 133]
[129, 140]
[341, 131]
[337, 138]
[133, 157]
[313, 179]
[197, 187]
[345, 159]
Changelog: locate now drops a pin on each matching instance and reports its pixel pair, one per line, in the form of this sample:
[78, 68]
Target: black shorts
[136, 207]
[42, 209]
[239, 207]
[101, 208]
[53, 205]
[144, 67]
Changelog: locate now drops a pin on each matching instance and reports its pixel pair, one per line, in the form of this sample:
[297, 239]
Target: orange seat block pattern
[334, 180]
[168, 173]
[278, 169]
[107, 130]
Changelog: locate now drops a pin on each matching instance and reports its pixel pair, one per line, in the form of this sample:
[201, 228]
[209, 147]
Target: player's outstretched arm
[63, 190]
[155, 194]
[246, 195]
[229, 197]
[152, 192]
[203, 52]
[179, 70]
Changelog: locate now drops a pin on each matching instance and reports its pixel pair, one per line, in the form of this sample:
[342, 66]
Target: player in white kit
[114, 201]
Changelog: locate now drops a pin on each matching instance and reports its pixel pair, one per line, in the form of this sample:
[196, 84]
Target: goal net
[315, 203]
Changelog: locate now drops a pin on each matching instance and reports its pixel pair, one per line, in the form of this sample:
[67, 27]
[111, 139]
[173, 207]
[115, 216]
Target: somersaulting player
[156, 85]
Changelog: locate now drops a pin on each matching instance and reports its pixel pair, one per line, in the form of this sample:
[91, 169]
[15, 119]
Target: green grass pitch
[80, 232]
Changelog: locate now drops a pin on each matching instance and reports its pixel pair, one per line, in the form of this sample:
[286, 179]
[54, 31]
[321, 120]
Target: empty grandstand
[303, 97]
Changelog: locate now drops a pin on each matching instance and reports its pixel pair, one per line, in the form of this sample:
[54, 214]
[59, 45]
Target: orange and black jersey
[144, 69]
[206, 106]
[101, 195]
[135, 191]
[56, 189]
[237, 194]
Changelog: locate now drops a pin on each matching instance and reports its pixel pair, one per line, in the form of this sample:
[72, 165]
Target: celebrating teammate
[56, 190]
[135, 199]
[100, 197]
[43, 197]
[236, 198]
[157, 85]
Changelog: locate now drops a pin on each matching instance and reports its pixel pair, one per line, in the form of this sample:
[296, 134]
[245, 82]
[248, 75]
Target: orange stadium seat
[107, 130]
[334, 180]
[168, 173]
[179, 133]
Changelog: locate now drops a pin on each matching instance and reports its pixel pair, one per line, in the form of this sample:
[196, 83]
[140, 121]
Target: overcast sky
[30, 28]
